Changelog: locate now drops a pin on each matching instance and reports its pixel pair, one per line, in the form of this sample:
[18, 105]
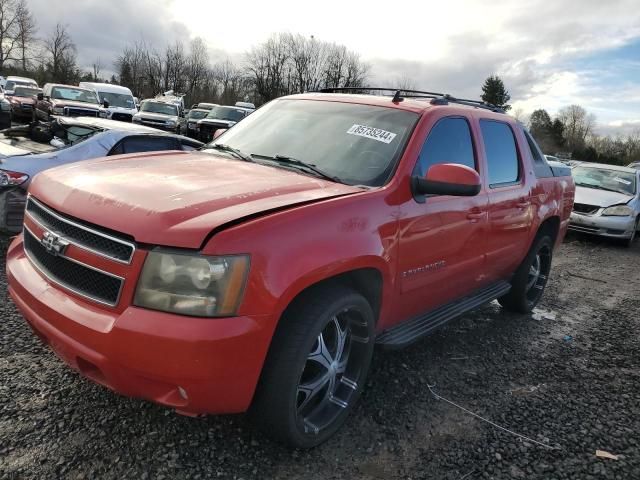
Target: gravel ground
[568, 376]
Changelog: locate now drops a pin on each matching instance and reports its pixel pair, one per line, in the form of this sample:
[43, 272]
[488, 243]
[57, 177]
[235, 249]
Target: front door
[442, 241]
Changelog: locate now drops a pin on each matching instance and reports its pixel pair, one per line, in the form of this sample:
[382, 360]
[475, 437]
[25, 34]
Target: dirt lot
[568, 376]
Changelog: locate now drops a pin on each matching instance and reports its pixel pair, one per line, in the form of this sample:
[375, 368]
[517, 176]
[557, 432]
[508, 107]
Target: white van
[121, 104]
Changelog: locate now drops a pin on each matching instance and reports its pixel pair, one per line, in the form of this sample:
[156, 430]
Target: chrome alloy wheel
[333, 370]
[538, 274]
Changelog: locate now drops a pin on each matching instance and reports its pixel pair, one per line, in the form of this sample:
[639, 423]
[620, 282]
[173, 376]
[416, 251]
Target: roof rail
[400, 94]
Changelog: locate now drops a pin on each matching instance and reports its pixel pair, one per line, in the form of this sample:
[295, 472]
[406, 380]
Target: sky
[549, 53]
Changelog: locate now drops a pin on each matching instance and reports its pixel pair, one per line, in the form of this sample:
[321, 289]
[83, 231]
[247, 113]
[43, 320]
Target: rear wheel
[316, 367]
[530, 279]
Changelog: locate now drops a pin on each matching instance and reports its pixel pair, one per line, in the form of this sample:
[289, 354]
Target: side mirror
[105, 103]
[41, 96]
[219, 132]
[447, 179]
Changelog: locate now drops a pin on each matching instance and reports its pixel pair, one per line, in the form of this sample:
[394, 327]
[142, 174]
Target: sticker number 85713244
[372, 133]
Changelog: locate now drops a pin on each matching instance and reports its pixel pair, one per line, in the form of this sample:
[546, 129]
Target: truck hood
[175, 198]
[155, 116]
[59, 103]
[601, 198]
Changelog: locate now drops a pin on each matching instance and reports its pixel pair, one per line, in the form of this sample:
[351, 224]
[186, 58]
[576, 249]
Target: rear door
[511, 211]
[442, 240]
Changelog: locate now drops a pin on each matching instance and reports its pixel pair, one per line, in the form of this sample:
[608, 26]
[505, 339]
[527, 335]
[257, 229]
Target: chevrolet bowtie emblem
[53, 244]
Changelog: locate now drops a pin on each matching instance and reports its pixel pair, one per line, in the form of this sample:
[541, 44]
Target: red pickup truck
[258, 274]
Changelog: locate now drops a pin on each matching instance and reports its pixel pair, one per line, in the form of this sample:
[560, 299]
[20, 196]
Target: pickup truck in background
[258, 274]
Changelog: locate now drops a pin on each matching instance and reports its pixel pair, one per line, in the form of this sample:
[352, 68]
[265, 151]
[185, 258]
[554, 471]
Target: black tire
[527, 287]
[629, 242]
[281, 408]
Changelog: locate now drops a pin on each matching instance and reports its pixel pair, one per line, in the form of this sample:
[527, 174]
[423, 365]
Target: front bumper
[605, 226]
[194, 365]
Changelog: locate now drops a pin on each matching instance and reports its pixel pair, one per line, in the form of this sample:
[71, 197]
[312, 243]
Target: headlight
[192, 284]
[136, 119]
[618, 211]
[12, 179]
[58, 110]
[5, 106]
[103, 114]
[171, 123]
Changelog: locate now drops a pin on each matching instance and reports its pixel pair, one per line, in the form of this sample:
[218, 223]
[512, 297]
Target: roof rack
[400, 94]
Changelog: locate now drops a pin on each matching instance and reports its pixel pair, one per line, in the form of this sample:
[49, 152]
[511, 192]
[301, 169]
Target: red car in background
[23, 101]
[258, 273]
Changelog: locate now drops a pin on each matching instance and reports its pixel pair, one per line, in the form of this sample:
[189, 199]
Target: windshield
[159, 107]
[26, 91]
[605, 179]
[121, 100]
[357, 144]
[74, 94]
[197, 114]
[227, 113]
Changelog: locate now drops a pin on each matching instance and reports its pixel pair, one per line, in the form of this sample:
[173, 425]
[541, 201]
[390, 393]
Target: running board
[411, 330]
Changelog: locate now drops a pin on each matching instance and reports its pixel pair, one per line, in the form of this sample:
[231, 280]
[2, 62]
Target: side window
[502, 156]
[533, 147]
[449, 141]
[149, 144]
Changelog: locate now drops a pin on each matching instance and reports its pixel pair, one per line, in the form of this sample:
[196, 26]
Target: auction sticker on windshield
[372, 133]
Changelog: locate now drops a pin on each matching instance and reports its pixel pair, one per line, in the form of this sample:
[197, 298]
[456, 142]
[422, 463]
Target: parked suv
[13, 82]
[22, 101]
[118, 102]
[258, 273]
[220, 117]
[193, 116]
[162, 114]
[65, 100]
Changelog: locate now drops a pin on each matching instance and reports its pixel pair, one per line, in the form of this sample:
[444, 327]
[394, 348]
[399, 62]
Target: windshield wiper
[299, 164]
[227, 148]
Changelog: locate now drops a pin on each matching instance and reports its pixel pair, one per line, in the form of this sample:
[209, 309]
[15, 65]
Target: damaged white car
[607, 201]
[30, 149]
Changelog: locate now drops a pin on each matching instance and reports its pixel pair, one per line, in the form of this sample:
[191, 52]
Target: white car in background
[607, 201]
[12, 82]
[120, 102]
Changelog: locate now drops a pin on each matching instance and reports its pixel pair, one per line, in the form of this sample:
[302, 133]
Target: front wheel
[634, 233]
[316, 366]
[531, 277]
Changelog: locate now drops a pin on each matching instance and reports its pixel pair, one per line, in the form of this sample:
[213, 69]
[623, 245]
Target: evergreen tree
[495, 93]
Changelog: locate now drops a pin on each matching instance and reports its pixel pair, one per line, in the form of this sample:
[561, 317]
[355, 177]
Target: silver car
[27, 150]
[607, 201]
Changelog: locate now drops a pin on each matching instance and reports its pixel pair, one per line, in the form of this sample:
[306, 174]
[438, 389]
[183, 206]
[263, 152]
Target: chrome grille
[83, 236]
[122, 117]
[80, 112]
[81, 279]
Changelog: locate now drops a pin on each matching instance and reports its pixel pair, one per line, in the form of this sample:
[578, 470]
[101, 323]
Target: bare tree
[175, 62]
[197, 66]
[578, 125]
[97, 67]
[61, 55]
[268, 65]
[8, 30]
[26, 33]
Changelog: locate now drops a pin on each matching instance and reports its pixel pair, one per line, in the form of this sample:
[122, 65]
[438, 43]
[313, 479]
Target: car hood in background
[155, 116]
[175, 199]
[58, 103]
[601, 198]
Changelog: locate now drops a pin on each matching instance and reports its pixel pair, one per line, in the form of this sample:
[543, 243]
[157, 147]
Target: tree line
[571, 133]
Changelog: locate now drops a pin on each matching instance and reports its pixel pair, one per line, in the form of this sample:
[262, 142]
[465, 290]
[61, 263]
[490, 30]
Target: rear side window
[448, 142]
[502, 156]
[149, 144]
[535, 153]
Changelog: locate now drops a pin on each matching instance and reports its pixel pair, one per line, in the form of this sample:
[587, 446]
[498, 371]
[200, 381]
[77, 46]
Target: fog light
[183, 393]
